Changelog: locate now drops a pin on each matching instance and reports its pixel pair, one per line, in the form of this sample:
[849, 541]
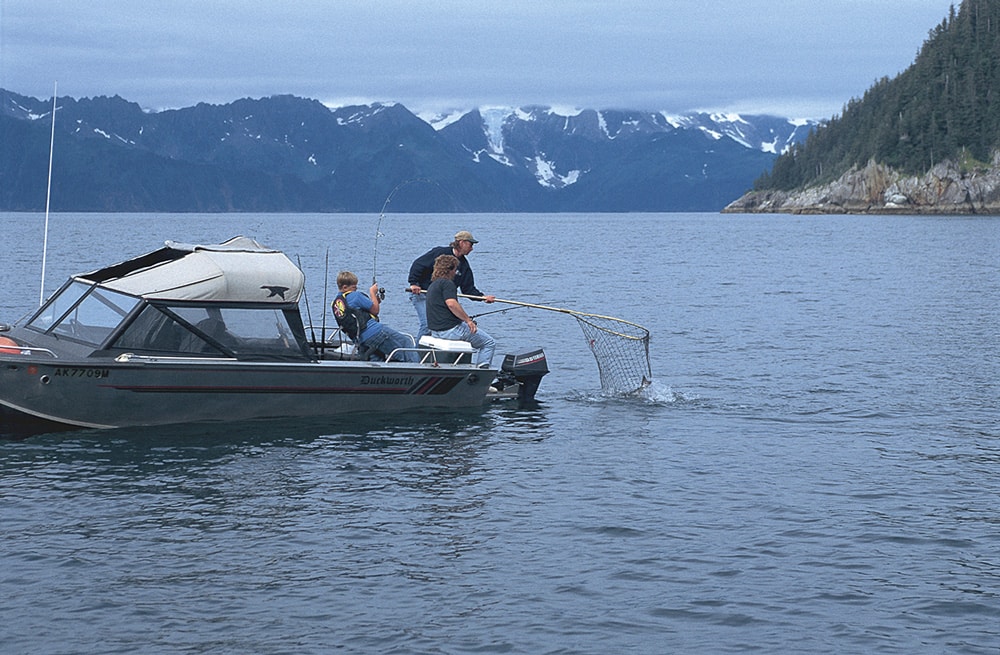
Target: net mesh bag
[621, 350]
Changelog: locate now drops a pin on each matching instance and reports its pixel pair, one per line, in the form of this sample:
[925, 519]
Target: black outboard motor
[527, 369]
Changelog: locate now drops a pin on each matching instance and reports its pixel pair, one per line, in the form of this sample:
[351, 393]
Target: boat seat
[448, 345]
[215, 329]
[447, 351]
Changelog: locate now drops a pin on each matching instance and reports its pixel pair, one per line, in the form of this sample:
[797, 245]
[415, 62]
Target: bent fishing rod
[378, 224]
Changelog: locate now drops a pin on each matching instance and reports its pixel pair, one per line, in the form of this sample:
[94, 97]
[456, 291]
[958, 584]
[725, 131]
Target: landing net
[621, 350]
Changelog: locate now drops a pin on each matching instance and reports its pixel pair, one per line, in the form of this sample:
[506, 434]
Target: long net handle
[561, 310]
[620, 347]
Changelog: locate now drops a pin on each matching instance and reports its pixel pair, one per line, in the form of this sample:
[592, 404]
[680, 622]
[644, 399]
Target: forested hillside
[945, 106]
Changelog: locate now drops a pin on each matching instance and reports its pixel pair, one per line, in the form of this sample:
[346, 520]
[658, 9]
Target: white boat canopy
[237, 270]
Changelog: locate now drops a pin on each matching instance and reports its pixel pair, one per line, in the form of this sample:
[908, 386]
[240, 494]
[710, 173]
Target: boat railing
[29, 350]
[431, 356]
[443, 352]
[443, 357]
[326, 335]
[132, 357]
[330, 342]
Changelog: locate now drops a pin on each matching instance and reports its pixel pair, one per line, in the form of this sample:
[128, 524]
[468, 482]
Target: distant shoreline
[945, 190]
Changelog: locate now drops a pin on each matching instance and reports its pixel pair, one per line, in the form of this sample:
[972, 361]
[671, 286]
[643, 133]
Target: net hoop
[620, 347]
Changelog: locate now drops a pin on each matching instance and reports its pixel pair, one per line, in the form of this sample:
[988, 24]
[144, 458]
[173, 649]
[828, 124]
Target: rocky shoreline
[877, 189]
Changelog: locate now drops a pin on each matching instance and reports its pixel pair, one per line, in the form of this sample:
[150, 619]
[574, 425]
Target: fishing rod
[378, 229]
[378, 225]
[305, 295]
[326, 284]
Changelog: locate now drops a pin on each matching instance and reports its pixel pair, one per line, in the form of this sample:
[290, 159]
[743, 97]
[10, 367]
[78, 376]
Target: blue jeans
[387, 339]
[481, 341]
[419, 302]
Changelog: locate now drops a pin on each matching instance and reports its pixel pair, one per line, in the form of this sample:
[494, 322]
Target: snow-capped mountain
[561, 149]
[291, 154]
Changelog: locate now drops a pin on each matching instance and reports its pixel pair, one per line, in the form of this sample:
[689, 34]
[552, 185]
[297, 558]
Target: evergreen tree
[944, 106]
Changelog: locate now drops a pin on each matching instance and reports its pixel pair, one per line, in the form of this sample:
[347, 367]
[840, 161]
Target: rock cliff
[877, 189]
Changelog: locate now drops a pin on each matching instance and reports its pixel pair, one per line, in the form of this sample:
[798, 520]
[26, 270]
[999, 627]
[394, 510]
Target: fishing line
[497, 311]
[378, 224]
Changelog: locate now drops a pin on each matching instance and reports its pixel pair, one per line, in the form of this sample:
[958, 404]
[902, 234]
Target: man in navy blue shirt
[422, 267]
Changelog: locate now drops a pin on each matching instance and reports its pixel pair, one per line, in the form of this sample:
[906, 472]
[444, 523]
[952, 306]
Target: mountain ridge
[285, 153]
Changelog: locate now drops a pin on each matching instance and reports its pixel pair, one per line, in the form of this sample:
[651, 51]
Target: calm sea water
[816, 468]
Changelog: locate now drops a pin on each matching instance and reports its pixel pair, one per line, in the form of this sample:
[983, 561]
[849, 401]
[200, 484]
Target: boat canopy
[237, 270]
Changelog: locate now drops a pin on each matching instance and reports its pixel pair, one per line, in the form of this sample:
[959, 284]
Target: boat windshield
[83, 312]
[262, 333]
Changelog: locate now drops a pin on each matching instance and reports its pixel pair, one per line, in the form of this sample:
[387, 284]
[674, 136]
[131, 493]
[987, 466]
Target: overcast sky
[793, 58]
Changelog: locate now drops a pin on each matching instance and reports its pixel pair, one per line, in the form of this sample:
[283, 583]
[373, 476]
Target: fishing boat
[192, 333]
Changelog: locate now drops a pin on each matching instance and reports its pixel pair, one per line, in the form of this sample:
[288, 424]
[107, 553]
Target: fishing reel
[379, 292]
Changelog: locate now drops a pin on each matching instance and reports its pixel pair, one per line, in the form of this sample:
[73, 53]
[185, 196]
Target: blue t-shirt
[358, 300]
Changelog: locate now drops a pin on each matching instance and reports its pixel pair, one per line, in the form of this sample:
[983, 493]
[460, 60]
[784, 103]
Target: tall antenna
[48, 196]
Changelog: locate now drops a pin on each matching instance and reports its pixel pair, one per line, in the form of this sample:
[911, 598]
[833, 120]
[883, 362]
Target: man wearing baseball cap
[422, 267]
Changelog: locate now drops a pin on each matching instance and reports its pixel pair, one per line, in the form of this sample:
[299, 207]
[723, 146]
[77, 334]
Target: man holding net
[423, 266]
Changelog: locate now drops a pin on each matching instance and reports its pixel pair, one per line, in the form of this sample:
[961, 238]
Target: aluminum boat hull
[162, 391]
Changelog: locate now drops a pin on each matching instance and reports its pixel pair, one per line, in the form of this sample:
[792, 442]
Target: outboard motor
[525, 368]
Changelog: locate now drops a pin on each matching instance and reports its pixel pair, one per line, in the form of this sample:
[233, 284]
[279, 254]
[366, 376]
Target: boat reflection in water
[192, 333]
